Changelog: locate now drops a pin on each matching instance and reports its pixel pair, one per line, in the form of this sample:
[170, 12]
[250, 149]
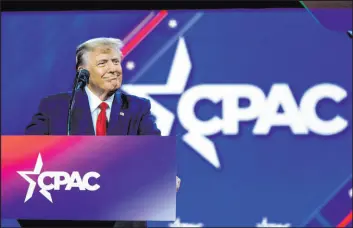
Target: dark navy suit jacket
[130, 115]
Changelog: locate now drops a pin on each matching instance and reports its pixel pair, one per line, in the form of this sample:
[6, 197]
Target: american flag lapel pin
[121, 113]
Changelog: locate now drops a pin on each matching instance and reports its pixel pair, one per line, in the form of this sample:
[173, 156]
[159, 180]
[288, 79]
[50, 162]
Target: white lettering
[61, 179]
[232, 113]
[280, 95]
[86, 181]
[308, 109]
[70, 181]
[300, 119]
[187, 105]
[265, 223]
[177, 223]
[41, 178]
[76, 182]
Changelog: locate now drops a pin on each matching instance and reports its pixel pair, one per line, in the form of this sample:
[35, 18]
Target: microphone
[81, 80]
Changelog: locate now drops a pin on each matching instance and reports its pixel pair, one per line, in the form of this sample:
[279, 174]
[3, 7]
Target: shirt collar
[94, 101]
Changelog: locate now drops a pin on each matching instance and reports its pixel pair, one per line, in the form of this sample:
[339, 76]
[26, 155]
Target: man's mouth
[111, 78]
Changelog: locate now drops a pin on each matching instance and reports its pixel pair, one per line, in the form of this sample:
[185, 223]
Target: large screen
[260, 100]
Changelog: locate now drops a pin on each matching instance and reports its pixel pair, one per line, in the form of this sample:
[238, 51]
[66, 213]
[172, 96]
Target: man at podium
[101, 108]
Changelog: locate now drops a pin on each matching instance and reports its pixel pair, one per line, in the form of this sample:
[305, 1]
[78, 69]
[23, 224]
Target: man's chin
[113, 88]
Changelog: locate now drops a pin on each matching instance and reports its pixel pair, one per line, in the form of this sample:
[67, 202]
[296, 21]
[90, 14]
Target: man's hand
[178, 181]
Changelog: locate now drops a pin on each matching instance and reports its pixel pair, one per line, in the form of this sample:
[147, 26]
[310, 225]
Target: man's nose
[113, 68]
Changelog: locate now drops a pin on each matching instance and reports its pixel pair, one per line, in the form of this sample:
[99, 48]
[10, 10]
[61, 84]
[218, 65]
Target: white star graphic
[32, 184]
[172, 23]
[176, 83]
[130, 65]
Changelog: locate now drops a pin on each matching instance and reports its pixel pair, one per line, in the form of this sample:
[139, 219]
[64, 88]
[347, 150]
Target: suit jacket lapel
[119, 116]
[82, 123]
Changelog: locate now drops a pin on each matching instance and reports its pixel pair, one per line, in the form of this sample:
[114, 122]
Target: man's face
[104, 65]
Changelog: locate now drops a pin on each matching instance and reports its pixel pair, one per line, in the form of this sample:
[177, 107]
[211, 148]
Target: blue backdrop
[283, 177]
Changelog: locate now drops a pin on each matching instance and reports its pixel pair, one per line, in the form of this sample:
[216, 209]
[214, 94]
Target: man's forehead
[104, 50]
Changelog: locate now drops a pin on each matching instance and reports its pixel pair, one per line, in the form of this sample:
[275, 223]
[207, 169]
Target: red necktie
[101, 126]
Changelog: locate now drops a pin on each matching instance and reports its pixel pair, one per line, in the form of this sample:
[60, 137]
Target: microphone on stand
[81, 80]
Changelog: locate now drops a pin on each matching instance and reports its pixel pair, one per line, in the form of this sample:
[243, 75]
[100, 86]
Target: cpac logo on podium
[301, 118]
[58, 179]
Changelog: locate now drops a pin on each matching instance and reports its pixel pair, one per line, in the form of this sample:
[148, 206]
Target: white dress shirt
[94, 103]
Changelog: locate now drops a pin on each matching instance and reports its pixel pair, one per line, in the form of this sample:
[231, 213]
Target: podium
[106, 178]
